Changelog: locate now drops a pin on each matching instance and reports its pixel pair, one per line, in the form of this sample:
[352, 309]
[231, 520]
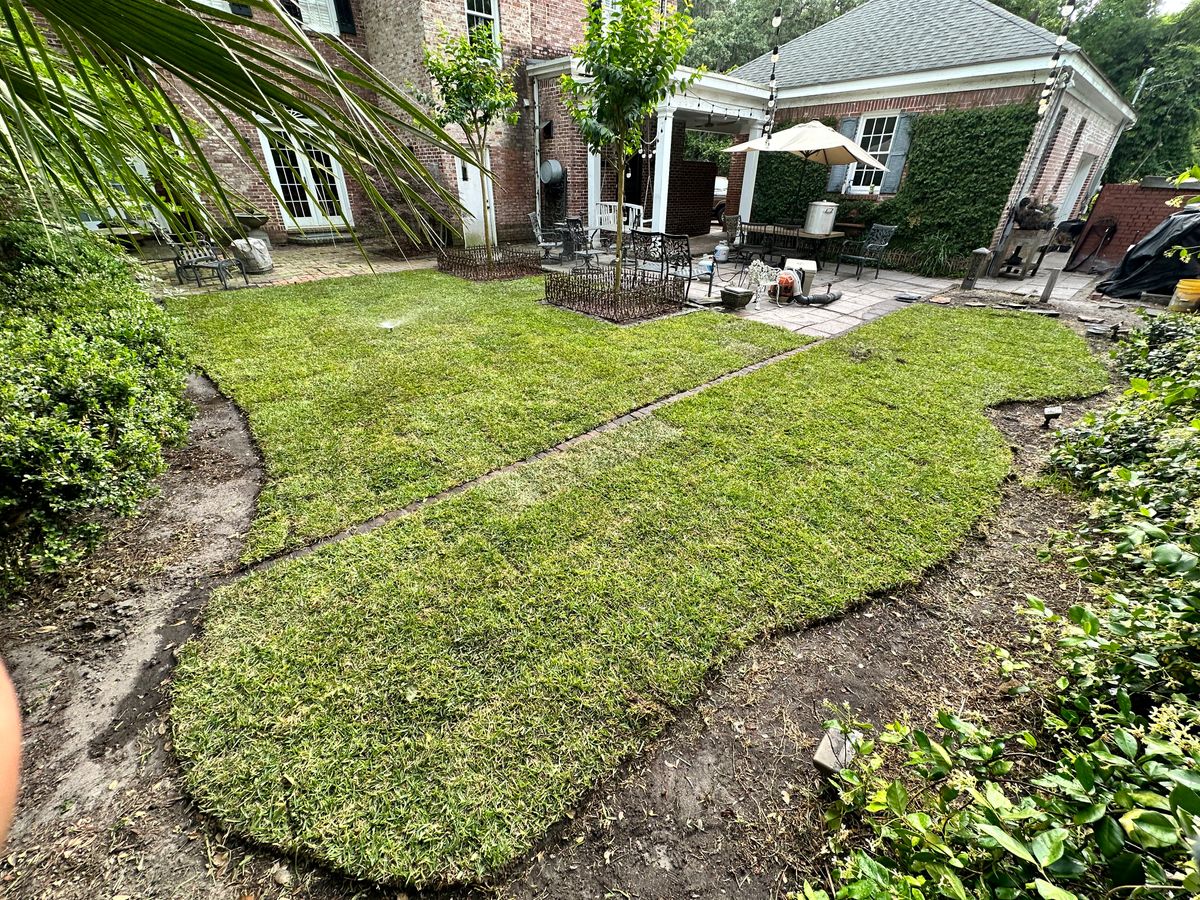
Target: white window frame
[222, 5]
[849, 187]
[493, 17]
[319, 15]
[319, 219]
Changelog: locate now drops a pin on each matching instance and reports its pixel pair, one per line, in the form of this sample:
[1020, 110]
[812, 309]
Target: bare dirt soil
[726, 803]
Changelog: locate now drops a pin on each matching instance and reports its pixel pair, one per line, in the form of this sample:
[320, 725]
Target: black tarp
[1146, 267]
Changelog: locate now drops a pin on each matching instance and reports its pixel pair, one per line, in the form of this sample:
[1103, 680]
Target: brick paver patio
[298, 263]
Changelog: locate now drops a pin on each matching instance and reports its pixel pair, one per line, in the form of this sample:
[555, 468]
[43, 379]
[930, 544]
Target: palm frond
[93, 90]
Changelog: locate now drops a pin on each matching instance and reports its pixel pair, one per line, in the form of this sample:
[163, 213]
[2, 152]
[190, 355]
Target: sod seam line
[620, 421]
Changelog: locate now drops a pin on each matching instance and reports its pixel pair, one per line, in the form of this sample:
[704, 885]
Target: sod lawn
[420, 703]
[353, 419]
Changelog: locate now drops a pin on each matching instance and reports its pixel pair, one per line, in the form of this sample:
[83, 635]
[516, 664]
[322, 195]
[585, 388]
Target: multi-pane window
[311, 185]
[876, 138]
[319, 15]
[484, 12]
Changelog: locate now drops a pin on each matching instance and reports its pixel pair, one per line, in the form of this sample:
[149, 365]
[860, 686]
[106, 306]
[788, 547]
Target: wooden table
[782, 240]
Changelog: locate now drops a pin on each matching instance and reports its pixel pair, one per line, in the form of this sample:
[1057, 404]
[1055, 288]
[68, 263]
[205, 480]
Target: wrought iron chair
[576, 237]
[760, 276]
[195, 254]
[868, 251]
[543, 241]
[677, 258]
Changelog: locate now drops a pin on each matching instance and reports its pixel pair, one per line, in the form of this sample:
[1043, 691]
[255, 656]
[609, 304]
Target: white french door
[310, 183]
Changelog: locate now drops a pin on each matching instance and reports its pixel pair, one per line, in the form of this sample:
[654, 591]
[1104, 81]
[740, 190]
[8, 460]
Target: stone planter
[735, 298]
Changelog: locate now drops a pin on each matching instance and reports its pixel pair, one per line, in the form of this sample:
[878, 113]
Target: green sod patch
[419, 704]
[354, 420]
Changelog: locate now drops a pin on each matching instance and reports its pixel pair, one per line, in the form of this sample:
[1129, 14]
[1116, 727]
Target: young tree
[628, 60]
[92, 93]
[474, 92]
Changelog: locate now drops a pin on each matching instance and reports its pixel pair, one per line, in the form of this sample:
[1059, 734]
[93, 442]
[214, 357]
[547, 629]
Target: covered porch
[671, 193]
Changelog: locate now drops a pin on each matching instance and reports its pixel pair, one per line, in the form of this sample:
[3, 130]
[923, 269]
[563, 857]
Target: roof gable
[892, 37]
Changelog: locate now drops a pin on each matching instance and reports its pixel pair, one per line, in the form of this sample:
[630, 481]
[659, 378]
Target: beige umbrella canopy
[813, 141]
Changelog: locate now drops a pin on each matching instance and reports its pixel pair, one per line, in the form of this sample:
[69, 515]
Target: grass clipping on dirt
[354, 419]
[419, 704]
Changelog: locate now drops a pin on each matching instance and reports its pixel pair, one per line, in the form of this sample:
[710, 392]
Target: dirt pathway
[95, 786]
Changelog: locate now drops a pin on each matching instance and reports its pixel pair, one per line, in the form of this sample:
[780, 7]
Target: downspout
[537, 151]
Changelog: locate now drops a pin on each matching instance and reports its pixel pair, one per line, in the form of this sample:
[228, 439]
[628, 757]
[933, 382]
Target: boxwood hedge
[91, 389]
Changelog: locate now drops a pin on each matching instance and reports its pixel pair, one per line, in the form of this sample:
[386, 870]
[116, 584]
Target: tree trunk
[480, 158]
[621, 160]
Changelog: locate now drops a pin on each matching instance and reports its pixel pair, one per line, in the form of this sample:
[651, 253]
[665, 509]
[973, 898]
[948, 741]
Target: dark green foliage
[1125, 38]
[785, 185]
[90, 391]
[1106, 801]
[730, 34]
[708, 147]
[961, 168]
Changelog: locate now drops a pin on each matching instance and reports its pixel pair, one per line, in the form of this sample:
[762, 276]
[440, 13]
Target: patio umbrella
[815, 142]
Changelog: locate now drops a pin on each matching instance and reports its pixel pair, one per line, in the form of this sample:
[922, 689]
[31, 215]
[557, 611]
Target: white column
[749, 175]
[593, 189]
[662, 168]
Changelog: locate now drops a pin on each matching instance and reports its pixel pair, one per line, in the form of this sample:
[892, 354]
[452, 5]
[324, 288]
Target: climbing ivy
[960, 168]
[785, 186]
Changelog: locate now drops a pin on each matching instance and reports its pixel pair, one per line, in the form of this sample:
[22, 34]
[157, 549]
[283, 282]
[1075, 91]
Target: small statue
[1032, 216]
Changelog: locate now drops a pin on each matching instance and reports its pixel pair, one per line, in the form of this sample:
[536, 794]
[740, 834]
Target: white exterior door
[310, 183]
[1086, 161]
[469, 194]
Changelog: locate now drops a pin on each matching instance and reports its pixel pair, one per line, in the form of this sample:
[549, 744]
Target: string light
[1060, 42]
[773, 82]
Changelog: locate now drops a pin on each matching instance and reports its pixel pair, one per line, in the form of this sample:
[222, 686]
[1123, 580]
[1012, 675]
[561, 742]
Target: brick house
[874, 69]
[880, 65]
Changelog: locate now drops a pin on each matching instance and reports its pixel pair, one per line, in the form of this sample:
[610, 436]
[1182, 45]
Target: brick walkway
[298, 263]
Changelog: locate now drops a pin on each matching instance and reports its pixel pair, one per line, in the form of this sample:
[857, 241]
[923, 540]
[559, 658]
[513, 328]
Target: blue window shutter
[240, 9]
[896, 156]
[837, 174]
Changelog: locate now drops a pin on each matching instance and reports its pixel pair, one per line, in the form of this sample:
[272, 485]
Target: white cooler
[821, 214]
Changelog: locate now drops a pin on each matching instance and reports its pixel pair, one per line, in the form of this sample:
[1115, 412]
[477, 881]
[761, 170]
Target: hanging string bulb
[777, 20]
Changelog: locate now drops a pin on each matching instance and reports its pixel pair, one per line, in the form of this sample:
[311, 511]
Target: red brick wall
[396, 33]
[915, 103]
[229, 162]
[1137, 210]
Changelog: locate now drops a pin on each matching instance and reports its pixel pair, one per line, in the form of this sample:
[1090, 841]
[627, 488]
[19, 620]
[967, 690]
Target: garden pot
[735, 298]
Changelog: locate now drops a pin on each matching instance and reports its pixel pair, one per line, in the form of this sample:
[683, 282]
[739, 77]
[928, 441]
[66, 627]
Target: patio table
[781, 240]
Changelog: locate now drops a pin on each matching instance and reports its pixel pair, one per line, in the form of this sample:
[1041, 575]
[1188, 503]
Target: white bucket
[821, 214]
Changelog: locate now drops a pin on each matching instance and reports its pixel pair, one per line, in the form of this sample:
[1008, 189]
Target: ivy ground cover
[354, 419]
[420, 703]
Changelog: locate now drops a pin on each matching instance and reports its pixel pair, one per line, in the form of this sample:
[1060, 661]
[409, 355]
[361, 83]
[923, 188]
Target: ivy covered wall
[960, 168]
[785, 185]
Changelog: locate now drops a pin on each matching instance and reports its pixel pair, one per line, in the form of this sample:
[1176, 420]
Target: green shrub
[90, 392]
[960, 169]
[1106, 799]
[785, 185]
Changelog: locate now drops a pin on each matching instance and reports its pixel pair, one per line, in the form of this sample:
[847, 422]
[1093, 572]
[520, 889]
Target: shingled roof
[892, 37]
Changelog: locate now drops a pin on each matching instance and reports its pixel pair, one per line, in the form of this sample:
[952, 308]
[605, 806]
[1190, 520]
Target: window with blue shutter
[897, 155]
[837, 174]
